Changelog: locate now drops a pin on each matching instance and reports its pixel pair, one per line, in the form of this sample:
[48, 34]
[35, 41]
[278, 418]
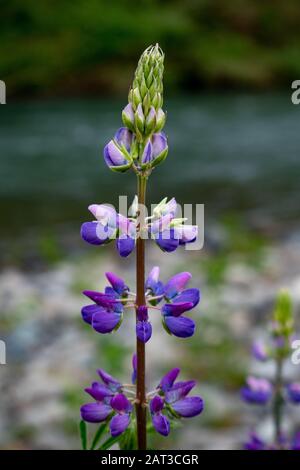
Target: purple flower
[159, 420]
[296, 442]
[108, 226]
[293, 392]
[143, 326]
[154, 285]
[102, 230]
[259, 351]
[180, 300]
[123, 408]
[173, 396]
[257, 391]
[155, 150]
[255, 443]
[110, 402]
[117, 151]
[167, 231]
[106, 314]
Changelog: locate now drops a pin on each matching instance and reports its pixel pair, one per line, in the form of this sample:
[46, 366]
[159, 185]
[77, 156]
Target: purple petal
[95, 233]
[113, 155]
[120, 403]
[179, 391]
[119, 424]
[153, 283]
[99, 391]
[95, 412]
[117, 283]
[259, 351]
[142, 313]
[168, 380]
[189, 407]
[147, 153]
[156, 404]
[258, 395]
[161, 424]
[176, 309]
[105, 300]
[170, 207]
[254, 443]
[109, 380]
[188, 295]
[105, 322]
[181, 327]
[88, 311]
[129, 114]
[125, 245]
[162, 225]
[159, 144]
[176, 284]
[143, 331]
[134, 367]
[167, 241]
[293, 391]
[124, 137]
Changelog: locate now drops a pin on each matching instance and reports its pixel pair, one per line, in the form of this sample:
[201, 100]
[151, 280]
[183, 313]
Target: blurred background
[234, 146]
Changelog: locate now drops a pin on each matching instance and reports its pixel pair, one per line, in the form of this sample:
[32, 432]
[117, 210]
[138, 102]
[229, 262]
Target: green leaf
[83, 434]
[109, 443]
[101, 430]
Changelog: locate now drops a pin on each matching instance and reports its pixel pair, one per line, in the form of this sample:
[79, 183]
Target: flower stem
[278, 403]
[140, 300]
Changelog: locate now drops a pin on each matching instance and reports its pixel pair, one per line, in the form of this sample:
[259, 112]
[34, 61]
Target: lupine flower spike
[140, 145]
[275, 393]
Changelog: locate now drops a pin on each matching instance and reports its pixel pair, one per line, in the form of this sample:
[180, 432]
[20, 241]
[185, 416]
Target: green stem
[278, 403]
[140, 300]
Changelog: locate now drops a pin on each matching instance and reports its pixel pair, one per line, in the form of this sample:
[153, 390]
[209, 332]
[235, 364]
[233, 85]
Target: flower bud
[146, 91]
[128, 117]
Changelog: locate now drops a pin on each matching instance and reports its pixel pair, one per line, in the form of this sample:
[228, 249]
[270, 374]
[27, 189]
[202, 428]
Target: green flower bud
[146, 92]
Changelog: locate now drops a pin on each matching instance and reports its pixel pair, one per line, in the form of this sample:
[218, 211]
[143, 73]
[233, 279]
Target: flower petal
[124, 137]
[113, 155]
[120, 403]
[156, 404]
[168, 379]
[147, 153]
[186, 233]
[88, 311]
[161, 424]
[99, 391]
[117, 283]
[95, 412]
[176, 284]
[293, 391]
[189, 407]
[119, 424]
[105, 322]
[179, 391]
[177, 309]
[181, 327]
[105, 214]
[188, 295]
[167, 241]
[109, 380]
[105, 300]
[125, 245]
[95, 233]
[143, 331]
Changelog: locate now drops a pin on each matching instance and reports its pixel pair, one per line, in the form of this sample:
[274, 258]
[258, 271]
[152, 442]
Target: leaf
[109, 443]
[83, 434]
[98, 435]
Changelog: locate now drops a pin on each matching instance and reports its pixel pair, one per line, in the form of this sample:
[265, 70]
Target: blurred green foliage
[62, 47]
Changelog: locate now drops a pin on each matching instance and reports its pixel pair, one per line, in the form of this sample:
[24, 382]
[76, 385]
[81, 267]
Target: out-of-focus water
[233, 152]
